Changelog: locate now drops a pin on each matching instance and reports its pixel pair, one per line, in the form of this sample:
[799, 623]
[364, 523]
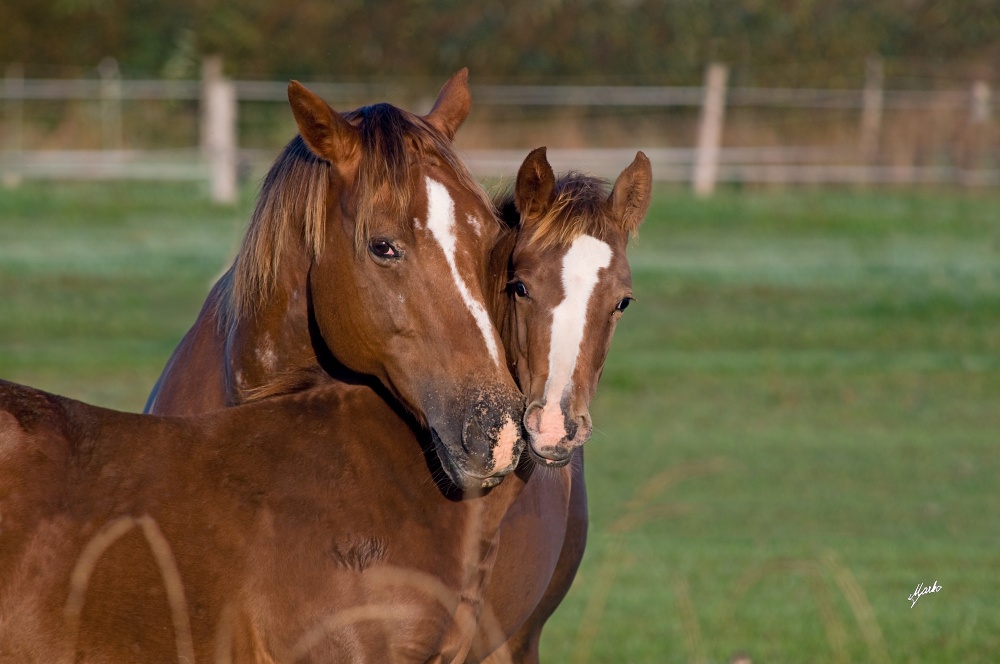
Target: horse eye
[623, 305]
[383, 249]
[520, 289]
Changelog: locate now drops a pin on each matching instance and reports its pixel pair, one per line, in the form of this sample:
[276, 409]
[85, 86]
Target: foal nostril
[533, 417]
[580, 430]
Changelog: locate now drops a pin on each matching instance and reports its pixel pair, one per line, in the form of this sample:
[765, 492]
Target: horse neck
[270, 350]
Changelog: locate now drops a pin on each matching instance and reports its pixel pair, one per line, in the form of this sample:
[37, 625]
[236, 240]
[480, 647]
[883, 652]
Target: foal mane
[579, 208]
[291, 210]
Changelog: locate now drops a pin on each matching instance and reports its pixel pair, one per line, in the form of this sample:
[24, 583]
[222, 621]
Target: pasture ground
[799, 421]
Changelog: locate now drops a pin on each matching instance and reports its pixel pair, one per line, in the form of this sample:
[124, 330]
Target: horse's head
[398, 274]
[570, 283]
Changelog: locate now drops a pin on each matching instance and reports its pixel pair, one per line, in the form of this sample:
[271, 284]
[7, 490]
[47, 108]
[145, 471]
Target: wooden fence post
[13, 121]
[218, 130]
[111, 104]
[981, 103]
[713, 110]
[978, 136]
[871, 108]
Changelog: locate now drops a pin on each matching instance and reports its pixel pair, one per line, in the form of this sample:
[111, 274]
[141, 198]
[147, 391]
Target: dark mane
[579, 209]
[290, 214]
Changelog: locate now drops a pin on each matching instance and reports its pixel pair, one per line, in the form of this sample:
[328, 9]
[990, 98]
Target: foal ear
[325, 131]
[535, 189]
[630, 196]
[452, 105]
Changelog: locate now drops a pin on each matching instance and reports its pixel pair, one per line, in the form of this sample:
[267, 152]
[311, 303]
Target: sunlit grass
[798, 420]
[844, 379]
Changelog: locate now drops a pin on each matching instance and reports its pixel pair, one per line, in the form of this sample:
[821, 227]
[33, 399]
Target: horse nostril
[473, 437]
[491, 435]
[581, 428]
[533, 417]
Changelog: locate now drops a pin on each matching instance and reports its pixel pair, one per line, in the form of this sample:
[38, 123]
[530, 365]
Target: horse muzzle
[490, 441]
[554, 434]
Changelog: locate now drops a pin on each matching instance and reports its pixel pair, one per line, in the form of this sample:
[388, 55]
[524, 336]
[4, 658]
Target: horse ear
[630, 196]
[452, 105]
[325, 131]
[535, 189]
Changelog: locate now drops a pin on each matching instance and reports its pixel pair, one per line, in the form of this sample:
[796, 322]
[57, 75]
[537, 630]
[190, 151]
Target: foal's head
[399, 236]
[570, 283]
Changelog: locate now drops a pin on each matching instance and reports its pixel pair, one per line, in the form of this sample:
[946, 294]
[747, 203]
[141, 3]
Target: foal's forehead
[584, 260]
[579, 249]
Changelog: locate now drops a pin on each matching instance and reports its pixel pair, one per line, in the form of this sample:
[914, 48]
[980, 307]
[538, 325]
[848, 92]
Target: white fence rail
[218, 158]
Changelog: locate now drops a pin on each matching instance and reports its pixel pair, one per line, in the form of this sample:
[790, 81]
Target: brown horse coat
[367, 250]
[545, 531]
[286, 530]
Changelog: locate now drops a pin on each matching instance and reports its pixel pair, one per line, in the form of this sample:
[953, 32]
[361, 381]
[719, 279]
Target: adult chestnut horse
[290, 529]
[368, 249]
[568, 284]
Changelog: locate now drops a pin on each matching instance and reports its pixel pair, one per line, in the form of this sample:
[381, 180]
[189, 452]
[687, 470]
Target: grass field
[799, 421]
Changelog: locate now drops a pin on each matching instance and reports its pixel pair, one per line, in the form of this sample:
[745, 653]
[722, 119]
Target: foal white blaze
[586, 257]
[441, 224]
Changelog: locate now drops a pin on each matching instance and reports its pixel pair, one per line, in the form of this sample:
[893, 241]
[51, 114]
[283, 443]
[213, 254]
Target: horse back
[34, 450]
[284, 526]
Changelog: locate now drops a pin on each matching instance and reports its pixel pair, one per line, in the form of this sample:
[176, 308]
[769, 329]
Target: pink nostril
[533, 418]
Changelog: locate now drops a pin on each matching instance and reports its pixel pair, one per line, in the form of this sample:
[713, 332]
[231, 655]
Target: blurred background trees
[664, 42]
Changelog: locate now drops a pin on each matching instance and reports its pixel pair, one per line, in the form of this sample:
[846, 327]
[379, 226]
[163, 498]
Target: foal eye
[623, 305]
[520, 289]
[383, 249]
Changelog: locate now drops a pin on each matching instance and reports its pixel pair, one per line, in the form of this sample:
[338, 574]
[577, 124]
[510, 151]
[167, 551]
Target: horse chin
[493, 481]
[546, 461]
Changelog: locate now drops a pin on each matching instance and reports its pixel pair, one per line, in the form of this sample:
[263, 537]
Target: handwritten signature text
[922, 590]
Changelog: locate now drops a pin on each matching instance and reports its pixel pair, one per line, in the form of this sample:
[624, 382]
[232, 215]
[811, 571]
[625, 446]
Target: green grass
[99, 283]
[799, 420]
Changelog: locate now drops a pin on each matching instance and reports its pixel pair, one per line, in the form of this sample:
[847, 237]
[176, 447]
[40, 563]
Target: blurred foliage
[768, 42]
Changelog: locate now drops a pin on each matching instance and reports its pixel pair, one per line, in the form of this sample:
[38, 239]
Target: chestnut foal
[568, 282]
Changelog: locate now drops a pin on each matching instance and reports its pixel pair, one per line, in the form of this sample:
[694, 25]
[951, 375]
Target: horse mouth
[459, 476]
[548, 462]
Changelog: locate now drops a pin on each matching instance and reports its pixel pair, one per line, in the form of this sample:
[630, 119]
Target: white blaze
[581, 263]
[441, 224]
